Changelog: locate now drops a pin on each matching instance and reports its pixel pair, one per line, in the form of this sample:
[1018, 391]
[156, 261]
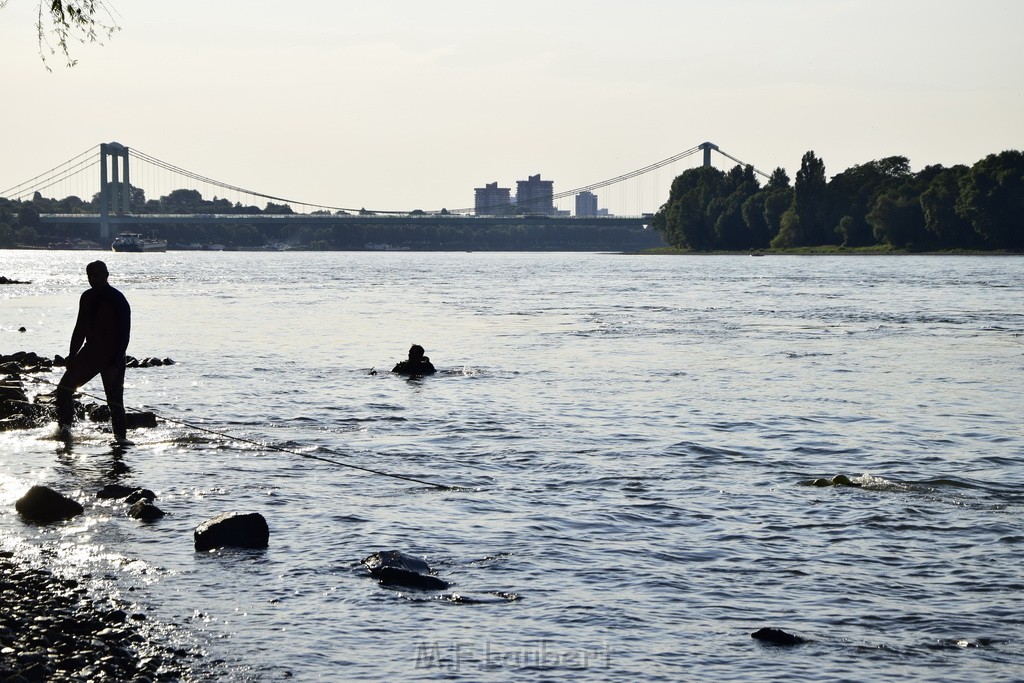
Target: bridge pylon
[114, 195]
[707, 147]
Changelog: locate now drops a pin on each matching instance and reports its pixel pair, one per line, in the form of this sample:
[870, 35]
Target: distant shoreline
[826, 251]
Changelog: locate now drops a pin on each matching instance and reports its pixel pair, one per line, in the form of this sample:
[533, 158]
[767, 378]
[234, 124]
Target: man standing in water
[104, 325]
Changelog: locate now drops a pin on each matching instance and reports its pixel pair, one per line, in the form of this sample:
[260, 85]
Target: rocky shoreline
[51, 628]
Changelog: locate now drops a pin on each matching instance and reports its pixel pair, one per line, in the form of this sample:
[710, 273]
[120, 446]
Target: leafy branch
[60, 22]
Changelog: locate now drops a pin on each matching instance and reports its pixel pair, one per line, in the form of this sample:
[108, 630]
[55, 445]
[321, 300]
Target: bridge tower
[707, 147]
[114, 195]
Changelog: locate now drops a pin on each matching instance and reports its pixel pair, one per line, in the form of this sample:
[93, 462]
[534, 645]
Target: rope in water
[272, 447]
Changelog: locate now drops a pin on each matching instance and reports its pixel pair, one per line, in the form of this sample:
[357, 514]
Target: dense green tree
[684, 220]
[28, 216]
[278, 208]
[803, 223]
[853, 192]
[776, 204]
[182, 201]
[762, 211]
[896, 218]
[732, 231]
[810, 200]
[992, 199]
[945, 226]
[779, 180]
[26, 235]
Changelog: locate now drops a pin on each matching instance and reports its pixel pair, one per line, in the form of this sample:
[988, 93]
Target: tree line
[880, 203]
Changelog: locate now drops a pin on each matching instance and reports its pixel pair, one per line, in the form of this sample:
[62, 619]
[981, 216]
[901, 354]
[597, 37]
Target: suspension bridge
[117, 180]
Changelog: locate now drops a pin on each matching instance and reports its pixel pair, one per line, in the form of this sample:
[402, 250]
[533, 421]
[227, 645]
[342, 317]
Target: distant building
[491, 199]
[535, 195]
[586, 205]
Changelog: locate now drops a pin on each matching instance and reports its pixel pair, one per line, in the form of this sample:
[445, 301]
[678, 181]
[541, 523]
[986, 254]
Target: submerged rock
[43, 504]
[145, 510]
[776, 636]
[240, 530]
[838, 480]
[394, 568]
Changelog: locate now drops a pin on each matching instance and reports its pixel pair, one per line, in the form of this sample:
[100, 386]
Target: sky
[397, 104]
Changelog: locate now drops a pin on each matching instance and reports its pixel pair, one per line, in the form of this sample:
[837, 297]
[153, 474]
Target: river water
[634, 438]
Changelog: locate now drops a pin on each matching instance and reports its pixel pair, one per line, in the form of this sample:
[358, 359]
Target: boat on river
[133, 241]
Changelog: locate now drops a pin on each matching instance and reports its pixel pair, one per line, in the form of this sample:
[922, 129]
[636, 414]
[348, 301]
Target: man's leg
[113, 385]
[75, 376]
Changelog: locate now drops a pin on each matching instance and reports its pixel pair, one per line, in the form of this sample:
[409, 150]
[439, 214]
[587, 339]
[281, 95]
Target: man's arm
[81, 325]
[124, 325]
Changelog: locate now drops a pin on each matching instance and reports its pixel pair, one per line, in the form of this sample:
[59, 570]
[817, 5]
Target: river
[634, 441]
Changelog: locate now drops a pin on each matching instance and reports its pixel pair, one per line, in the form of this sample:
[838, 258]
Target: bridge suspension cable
[234, 188]
[613, 181]
[55, 175]
[78, 163]
[742, 163]
[638, 172]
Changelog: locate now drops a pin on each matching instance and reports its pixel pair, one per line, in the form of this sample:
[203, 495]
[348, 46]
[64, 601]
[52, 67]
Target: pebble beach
[52, 628]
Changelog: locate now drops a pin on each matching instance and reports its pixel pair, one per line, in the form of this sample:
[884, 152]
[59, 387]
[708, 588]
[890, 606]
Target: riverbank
[878, 250]
[52, 628]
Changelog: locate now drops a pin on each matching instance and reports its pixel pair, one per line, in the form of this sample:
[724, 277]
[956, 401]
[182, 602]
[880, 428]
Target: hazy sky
[401, 104]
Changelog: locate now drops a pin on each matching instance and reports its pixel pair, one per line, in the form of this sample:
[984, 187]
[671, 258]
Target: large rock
[140, 494]
[13, 401]
[133, 420]
[394, 568]
[145, 510]
[240, 530]
[43, 504]
[116, 491]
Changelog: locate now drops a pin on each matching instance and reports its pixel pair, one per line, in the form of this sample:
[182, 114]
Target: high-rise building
[586, 204]
[491, 199]
[535, 195]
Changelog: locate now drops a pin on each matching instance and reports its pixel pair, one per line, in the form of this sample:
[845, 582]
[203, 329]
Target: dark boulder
[23, 362]
[13, 401]
[241, 530]
[394, 568]
[145, 510]
[43, 504]
[116, 491]
[143, 420]
[776, 636]
[140, 494]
